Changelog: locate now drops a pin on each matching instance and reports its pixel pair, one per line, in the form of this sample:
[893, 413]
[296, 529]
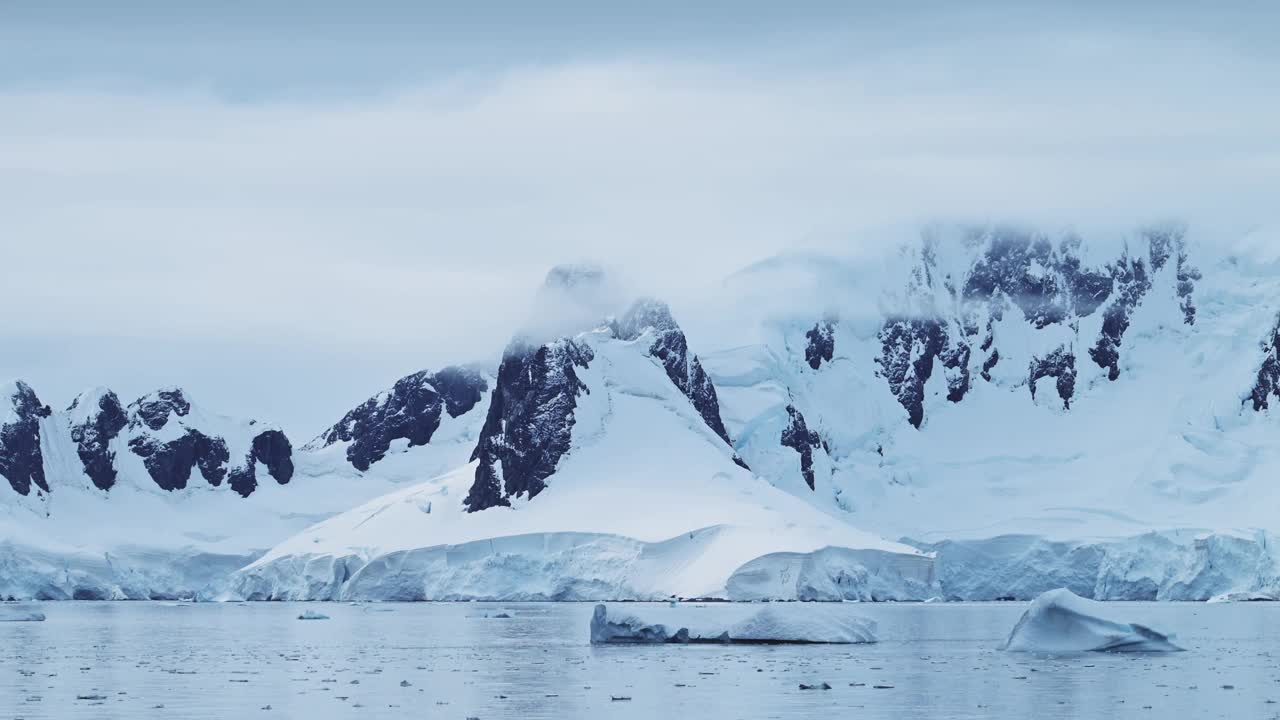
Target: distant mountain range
[1006, 399]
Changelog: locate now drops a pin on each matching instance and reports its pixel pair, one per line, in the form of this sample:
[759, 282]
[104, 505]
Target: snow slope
[647, 502]
[1024, 410]
[163, 498]
[1024, 426]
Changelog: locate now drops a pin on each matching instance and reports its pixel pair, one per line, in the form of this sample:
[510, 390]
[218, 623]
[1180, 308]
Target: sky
[283, 211]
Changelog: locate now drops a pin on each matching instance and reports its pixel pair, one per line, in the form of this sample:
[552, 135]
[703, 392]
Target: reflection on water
[132, 660]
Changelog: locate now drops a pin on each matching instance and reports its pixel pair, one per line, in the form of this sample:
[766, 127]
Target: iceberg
[771, 625]
[1242, 596]
[312, 615]
[1059, 621]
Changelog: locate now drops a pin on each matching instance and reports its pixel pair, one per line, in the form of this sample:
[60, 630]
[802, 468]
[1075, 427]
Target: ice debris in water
[313, 615]
[1242, 596]
[1061, 621]
[21, 616]
[772, 624]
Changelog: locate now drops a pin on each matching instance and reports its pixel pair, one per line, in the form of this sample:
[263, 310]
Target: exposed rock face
[170, 463]
[1045, 282]
[1132, 282]
[822, 344]
[99, 422]
[1059, 364]
[987, 365]
[21, 462]
[272, 449]
[161, 428]
[1187, 277]
[153, 410]
[909, 347]
[797, 436]
[1268, 382]
[170, 454]
[530, 421]
[1012, 270]
[411, 410]
[671, 348]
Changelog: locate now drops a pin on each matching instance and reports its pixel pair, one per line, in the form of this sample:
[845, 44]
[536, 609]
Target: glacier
[982, 413]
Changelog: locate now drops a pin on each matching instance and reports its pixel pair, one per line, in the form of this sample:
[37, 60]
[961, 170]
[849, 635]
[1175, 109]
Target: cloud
[417, 223]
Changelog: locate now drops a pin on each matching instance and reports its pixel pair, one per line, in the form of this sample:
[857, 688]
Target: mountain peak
[575, 276]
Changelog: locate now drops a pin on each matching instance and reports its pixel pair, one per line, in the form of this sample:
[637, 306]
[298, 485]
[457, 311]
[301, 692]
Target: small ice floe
[1060, 621]
[772, 624]
[312, 615]
[1242, 596]
[13, 615]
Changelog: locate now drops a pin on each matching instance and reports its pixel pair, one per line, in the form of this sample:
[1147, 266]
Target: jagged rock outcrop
[909, 347]
[1060, 365]
[797, 436]
[411, 410]
[1132, 282]
[170, 462]
[1009, 269]
[174, 442]
[1046, 282]
[671, 348]
[821, 345]
[530, 421]
[96, 419]
[270, 448]
[21, 461]
[1268, 381]
[153, 410]
[163, 429]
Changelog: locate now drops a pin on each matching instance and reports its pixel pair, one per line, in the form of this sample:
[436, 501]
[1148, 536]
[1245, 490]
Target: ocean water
[167, 660]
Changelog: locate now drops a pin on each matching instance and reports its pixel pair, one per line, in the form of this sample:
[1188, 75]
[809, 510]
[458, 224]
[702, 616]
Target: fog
[195, 205]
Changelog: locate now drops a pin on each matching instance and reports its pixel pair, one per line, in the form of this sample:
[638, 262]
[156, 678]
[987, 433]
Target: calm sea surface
[257, 660]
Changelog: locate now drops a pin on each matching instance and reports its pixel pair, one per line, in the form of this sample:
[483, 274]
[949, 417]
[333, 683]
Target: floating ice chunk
[1061, 621]
[1242, 596]
[312, 615]
[773, 624]
[21, 616]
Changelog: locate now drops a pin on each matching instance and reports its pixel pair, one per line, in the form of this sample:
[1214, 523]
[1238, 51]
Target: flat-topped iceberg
[772, 624]
[1059, 621]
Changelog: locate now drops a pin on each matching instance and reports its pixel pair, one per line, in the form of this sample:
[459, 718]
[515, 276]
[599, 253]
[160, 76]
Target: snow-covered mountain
[1047, 388]
[603, 471]
[421, 427]
[160, 439]
[1020, 409]
[164, 498]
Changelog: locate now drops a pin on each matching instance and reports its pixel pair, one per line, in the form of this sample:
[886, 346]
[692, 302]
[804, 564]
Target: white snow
[1156, 486]
[697, 623]
[1060, 621]
[647, 503]
[138, 541]
[1167, 446]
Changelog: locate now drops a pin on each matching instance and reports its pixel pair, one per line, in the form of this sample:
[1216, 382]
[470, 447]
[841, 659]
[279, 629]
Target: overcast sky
[284, 211]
